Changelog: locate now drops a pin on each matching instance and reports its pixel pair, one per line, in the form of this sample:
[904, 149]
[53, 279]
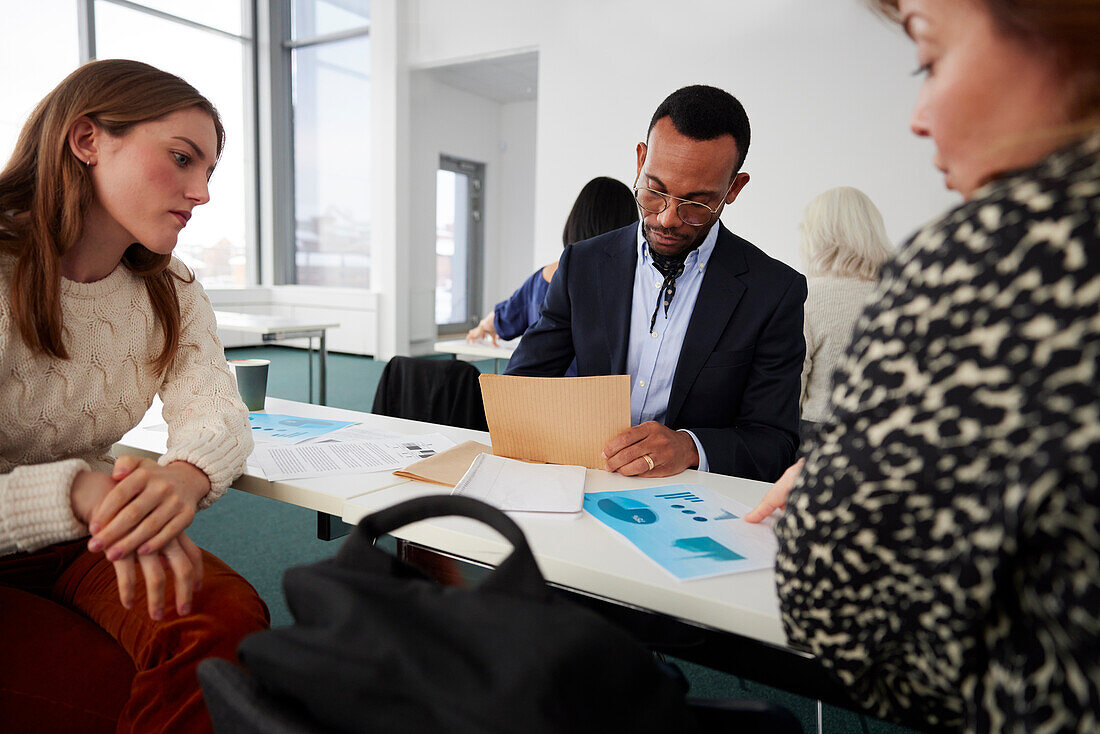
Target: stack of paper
[517, 485]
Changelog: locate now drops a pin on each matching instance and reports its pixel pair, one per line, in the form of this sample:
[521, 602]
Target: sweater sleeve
[35, 510]
[807, 365]
[512, 316]
[207, 421]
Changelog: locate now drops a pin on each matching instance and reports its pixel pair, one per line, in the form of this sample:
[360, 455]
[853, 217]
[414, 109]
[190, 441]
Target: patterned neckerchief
[672, 268]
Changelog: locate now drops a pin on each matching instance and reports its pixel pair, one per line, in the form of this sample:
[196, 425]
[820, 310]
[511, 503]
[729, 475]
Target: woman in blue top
[604, 204]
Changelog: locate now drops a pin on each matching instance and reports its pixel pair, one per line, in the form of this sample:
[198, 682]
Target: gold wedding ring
[649, 460]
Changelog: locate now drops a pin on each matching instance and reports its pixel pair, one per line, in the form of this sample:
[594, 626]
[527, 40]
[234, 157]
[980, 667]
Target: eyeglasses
[689, 212]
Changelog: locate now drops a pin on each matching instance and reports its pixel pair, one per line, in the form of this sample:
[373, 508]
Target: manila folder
[557, 420]
[446, 467]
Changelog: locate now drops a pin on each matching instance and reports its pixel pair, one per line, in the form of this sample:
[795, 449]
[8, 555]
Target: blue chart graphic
[707, 547]
[628, 510]
[688, 530]
[276, 428]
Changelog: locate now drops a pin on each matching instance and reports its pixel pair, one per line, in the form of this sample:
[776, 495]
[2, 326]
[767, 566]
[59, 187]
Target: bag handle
[518, 573]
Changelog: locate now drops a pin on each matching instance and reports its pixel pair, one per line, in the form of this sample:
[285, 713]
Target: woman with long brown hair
[940, 551]
[96, 318]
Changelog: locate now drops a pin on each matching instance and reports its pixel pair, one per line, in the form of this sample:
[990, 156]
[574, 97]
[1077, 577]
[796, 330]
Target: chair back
[432, 390]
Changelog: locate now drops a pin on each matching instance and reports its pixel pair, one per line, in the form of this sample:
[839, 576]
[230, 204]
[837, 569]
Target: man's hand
[776, 497]
[670, 451]
[148, 507]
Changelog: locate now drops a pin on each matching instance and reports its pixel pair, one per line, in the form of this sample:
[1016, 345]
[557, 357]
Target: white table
[324, 494]
[734, 619]
[280, 328]
[580, 552]
[574, 550]
[483, 349]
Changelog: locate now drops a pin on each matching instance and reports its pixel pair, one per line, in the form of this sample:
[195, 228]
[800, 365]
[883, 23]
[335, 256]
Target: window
[202, 43]
[330, 63]
[39, 40]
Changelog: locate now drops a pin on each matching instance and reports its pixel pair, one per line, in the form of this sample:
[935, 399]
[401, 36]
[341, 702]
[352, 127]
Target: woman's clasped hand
[137, 516]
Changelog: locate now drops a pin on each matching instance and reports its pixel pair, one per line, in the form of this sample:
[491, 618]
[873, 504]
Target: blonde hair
[45, 192]
[843, 235]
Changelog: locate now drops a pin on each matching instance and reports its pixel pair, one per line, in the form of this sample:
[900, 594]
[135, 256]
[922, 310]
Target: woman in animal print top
[940, 551]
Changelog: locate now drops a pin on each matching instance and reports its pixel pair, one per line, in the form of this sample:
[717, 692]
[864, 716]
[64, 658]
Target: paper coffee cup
[251, 376]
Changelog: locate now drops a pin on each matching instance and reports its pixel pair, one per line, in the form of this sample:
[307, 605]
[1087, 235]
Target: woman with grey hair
[844, 245]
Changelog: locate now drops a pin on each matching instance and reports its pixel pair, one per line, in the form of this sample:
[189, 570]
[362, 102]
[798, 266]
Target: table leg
[331, 527]
[324, 367]
[309, 355]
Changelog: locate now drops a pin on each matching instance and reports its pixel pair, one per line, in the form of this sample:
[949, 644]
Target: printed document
[688, 530]
[273, 428]
[346, 457]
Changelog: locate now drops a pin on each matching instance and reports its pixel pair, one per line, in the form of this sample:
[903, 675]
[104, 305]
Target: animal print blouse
[941, 551]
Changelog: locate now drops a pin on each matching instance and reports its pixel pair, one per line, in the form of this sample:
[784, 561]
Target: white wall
[825, 82]
[514, 258]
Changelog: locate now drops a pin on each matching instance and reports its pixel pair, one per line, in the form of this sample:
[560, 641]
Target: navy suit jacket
[738, 379]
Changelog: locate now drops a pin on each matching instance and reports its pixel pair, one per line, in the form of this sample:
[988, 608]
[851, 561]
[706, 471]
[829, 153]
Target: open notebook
[508, 484]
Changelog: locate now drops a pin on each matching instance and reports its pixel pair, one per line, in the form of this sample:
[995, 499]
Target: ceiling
[504, 79]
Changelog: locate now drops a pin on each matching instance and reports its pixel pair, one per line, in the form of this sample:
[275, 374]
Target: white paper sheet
[357, 432]
[520, 486]
[347, 457]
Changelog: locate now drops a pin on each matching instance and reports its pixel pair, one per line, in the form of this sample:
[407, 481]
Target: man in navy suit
[708, 327]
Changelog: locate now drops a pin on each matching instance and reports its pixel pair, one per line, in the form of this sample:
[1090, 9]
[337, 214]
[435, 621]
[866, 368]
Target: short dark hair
[603, 205]
[705, 113]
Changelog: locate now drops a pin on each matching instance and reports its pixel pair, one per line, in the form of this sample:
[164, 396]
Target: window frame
[286, 244]
[271, 244]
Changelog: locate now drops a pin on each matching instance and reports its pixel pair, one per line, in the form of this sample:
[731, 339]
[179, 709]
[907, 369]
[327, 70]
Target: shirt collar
[699, 257]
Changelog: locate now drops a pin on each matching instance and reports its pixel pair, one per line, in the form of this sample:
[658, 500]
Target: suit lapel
[615, 283]
[719, 294]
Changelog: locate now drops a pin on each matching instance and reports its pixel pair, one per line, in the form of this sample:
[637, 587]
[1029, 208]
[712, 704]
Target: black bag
[378, 647]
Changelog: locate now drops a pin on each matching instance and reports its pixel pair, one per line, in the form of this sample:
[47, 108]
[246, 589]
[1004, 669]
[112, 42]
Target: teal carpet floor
[261, 538]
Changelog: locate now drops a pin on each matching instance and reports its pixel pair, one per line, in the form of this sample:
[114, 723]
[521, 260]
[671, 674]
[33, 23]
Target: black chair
[239, 705]
[437, 391]
[432, 390]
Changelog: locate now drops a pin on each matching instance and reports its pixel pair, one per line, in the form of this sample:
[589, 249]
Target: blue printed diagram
[288, 429]
[707, 547]
[690, 531]
[628, 510]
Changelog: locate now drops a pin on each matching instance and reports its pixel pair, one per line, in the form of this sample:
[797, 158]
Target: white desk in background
[728, 623]
[281, 328]
[483, 349]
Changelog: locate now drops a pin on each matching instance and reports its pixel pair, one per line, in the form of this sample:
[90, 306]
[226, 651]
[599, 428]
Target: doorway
[459, 243]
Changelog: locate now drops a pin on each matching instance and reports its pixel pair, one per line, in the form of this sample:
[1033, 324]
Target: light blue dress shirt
[652, 355]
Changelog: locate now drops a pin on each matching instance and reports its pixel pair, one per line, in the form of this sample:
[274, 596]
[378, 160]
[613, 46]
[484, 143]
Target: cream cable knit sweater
[832, 307]
[58, 417]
